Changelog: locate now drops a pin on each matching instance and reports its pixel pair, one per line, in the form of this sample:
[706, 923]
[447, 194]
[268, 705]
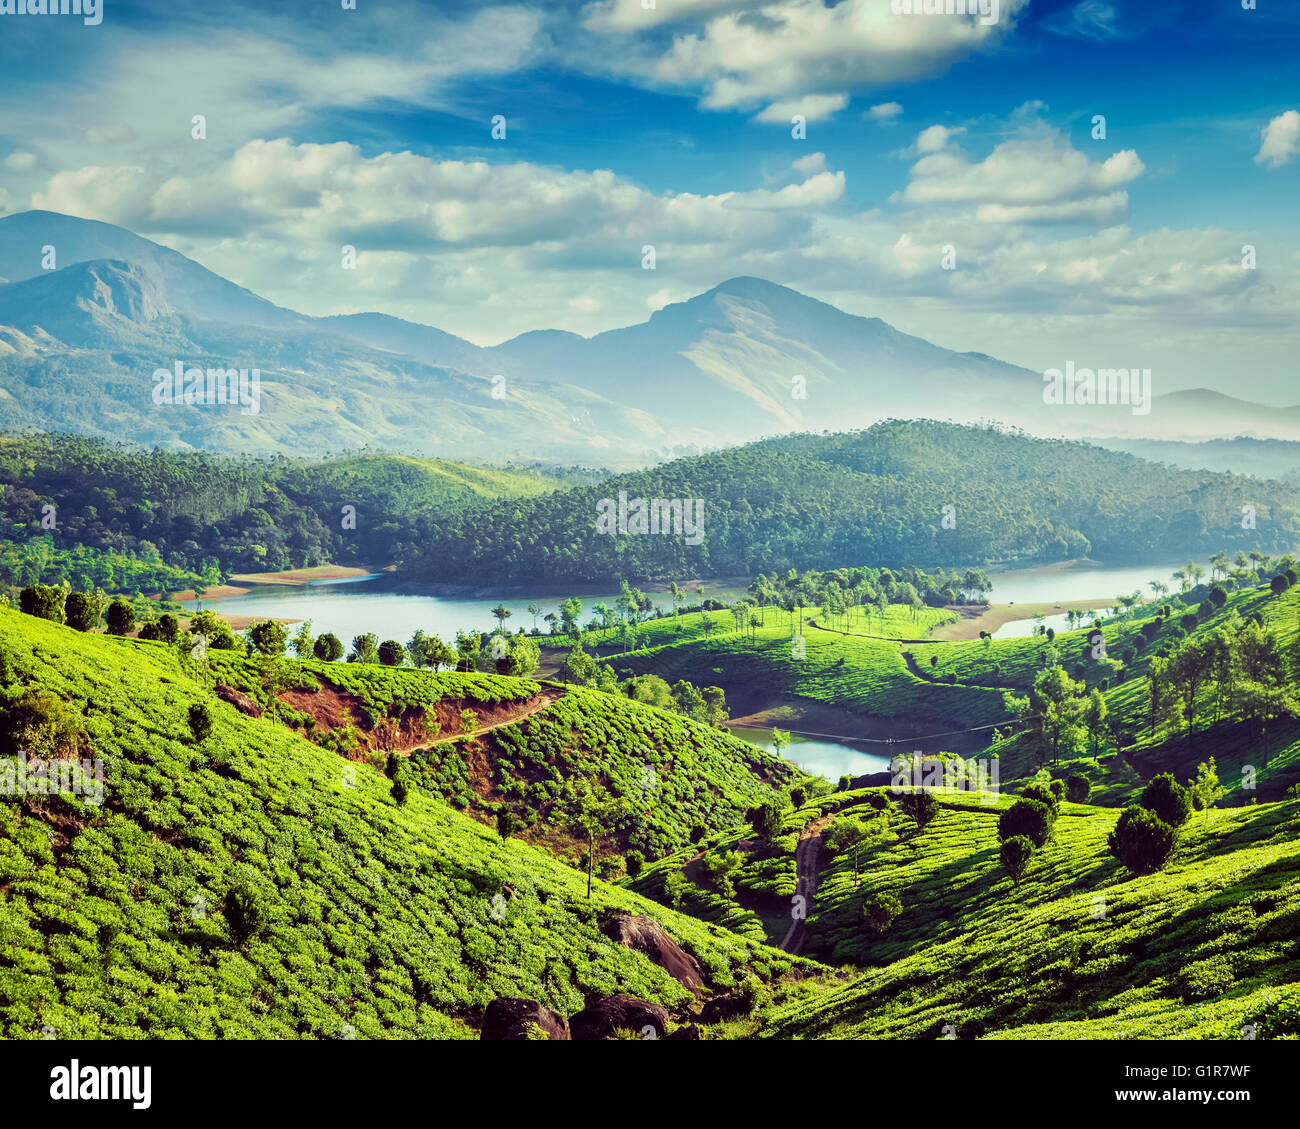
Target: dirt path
[805, 860]
[549, 696]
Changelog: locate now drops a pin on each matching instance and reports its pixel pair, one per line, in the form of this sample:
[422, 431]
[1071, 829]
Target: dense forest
[125, 518]
[915, 492]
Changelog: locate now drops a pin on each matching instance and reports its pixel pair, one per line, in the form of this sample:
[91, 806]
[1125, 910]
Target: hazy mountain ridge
[745, 359]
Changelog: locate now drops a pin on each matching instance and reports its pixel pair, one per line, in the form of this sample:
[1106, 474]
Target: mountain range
[79, 346]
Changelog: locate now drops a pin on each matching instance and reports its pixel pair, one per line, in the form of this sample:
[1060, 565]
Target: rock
[242, 702]
[687, 1031]
[722, 1007]
[618, 1013]
[509, 1018]
[647, 936]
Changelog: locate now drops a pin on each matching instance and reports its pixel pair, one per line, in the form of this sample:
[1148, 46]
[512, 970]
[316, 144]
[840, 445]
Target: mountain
[745, 359]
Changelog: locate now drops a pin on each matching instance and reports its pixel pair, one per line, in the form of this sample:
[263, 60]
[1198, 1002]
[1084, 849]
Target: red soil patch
[332, 708]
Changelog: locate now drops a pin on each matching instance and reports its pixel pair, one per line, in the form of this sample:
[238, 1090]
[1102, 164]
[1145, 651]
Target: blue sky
[671, 127]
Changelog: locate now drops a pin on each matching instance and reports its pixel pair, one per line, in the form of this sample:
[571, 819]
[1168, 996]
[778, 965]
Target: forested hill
[155, 518]
[877, 496]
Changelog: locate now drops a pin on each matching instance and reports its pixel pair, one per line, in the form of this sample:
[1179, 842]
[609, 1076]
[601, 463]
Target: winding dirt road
[806, 856]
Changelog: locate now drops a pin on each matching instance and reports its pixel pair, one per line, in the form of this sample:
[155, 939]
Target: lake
[818, 756]
[1054, 583]
[359, 604]
[393, 610]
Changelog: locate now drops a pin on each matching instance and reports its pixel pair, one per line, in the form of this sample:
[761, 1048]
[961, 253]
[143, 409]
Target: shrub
[1168, 799]
[1029, 819]
[921, 806]
[766, 818]
[1218, 597]
[328, 648]
[635, 862]
[120, 618]
[1043, 794]
[43, 601]
[1015, 854]
[391, 652]
[1142, 841]
[880, 910]
[1078, 788]
[506, 822]
[200, 719]
[1057, 789]
[83, 610]
[269, 637]
[245, 912]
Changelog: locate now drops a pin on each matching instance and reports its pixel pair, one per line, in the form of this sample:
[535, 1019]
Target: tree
[715, 706]
[365, 648]
[675, 887]
[200, 719]
[1142, 841]
[43, 601]
[722, 867]
[767, 818]
[1078, 788]
[780, 740]
[578, 667]
[269, 637]
[847, 835]
[634, 862]
[328, 647]
[506, 822]
[921, 806]
[1030, 819]
[502, 614]
[120, 618]
[881, 910]
[83, 609]
[169, 627]
[522, 658]
[302, 640]
[594, 810]
[1015, 855]
[1205, 790]
[1168, 799]
[1094, 717]
[534, 610]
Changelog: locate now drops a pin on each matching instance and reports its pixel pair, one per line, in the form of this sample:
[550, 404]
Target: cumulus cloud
[1280, 140]
[789, 48]
[885, 111]
[813, 108]
[1034, 179]
[934, 138]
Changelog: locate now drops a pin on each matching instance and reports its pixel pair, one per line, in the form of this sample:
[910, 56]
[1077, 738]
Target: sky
[951, 175]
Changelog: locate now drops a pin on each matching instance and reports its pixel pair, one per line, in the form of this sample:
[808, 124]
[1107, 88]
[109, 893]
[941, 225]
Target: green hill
[361, 914]
[912, 492]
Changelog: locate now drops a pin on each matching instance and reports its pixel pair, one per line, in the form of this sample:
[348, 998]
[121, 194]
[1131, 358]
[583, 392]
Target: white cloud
[1034, 179]
[1281, 139]
[934, 138]
[813, 107]
[883, 112]
[792, 48]
[20, 161]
